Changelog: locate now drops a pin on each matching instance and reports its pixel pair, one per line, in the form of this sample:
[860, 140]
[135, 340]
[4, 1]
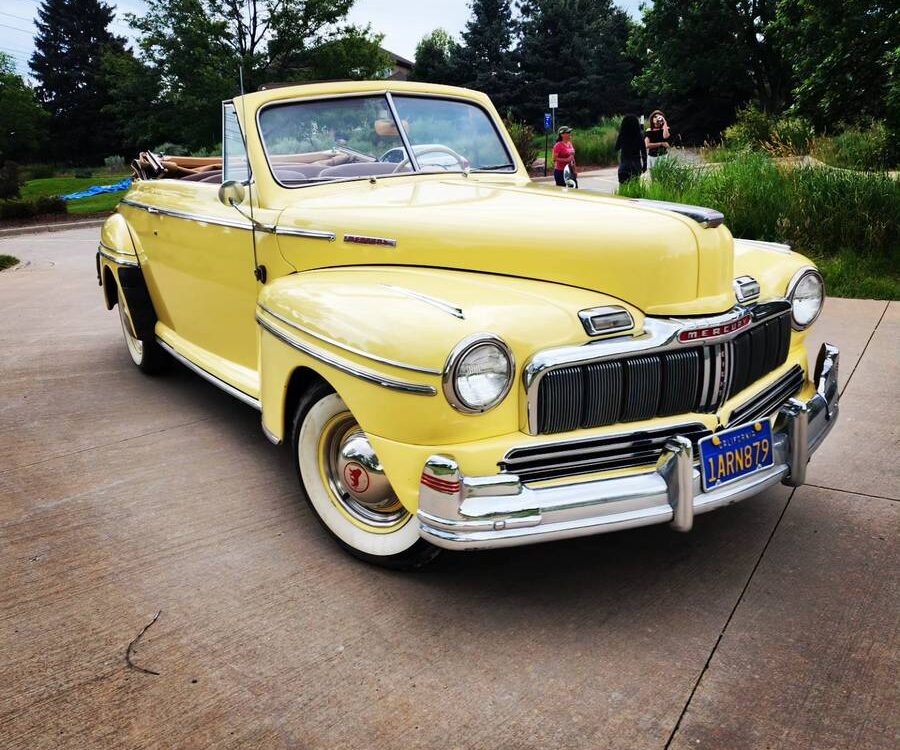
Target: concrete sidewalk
[773, 624]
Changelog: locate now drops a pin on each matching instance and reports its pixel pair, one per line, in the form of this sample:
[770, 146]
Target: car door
[200, 264]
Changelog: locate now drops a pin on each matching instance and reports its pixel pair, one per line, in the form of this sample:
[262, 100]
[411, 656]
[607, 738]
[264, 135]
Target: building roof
[398, 59]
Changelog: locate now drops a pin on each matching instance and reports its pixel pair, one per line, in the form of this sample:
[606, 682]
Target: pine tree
[577, 49]
[484, 61]
[72, 37]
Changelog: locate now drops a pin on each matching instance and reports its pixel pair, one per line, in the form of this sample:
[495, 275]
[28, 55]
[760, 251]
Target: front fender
[773, 265]
[396, 327]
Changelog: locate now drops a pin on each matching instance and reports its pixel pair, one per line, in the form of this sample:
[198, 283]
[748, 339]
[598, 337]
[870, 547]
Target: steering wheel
[436, 149]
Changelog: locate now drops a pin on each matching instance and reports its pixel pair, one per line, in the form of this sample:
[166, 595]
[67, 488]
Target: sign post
[548, 125]
[554, 103]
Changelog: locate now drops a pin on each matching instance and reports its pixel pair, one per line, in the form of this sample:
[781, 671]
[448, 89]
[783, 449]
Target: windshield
[358, 137]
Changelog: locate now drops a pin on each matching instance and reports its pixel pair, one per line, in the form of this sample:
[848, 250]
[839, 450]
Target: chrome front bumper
[460, 512]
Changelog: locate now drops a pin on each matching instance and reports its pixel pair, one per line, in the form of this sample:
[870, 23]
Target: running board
[221, 384]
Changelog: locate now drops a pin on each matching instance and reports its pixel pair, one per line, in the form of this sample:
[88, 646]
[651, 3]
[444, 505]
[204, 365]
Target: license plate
[733, 454]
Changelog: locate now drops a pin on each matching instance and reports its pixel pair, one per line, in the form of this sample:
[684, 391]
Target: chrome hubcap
[356, 476]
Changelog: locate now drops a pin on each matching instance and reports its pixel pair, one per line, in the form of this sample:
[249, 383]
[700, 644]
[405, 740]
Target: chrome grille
[538, 462]
[629, 389]
[767, 402]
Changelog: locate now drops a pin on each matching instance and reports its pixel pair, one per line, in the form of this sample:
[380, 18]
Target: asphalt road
[774, 624]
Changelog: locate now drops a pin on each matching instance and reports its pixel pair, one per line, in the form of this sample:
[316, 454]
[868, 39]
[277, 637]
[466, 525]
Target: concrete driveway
[774, 624]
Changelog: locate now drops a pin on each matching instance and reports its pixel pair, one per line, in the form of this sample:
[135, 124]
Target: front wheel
[145, 353]
[345, 485]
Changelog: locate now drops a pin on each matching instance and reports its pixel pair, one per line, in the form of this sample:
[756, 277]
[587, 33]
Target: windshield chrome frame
[387, 94]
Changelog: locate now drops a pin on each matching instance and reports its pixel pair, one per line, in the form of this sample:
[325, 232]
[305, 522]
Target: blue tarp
[98, 189]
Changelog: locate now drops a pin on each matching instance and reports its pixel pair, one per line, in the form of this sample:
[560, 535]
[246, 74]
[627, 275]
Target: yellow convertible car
[458, 357]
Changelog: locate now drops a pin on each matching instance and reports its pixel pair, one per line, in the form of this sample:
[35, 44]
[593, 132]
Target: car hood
[661, 262]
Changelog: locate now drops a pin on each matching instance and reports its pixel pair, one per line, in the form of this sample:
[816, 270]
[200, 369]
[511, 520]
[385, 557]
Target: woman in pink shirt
[563, 156]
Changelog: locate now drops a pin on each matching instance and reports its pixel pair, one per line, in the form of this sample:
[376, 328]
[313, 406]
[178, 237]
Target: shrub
[790, 136]
[819, 211]
[171, 149]
[114, 163]
[523, 136]
[83, 172]
[10, 180]
[872, 148]
[756, 130]
[40, 171]
[7, 261]
[26, 208]
[752, 128]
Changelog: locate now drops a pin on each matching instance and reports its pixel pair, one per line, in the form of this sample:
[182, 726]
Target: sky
[403, 22]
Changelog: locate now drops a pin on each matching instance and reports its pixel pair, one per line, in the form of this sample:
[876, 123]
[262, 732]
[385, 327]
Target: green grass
[7, 261]
[849, 222]
[65, 185]
[594, 146]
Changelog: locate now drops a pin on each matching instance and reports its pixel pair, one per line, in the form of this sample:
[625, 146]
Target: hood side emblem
[360, 239]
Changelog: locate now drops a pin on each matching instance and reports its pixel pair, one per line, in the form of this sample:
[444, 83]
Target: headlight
[478, 374]
[806, 293]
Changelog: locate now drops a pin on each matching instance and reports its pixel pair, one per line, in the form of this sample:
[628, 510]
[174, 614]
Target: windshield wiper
[493, 167]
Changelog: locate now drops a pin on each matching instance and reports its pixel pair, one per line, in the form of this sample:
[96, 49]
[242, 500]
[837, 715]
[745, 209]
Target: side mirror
[231, 193]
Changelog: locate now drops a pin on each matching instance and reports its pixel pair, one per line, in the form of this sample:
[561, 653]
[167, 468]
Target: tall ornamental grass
[594, 146]
[848, 221]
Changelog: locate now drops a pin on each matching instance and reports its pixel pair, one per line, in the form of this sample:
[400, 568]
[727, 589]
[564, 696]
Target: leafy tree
[23, 122]
[138, 109]
[435, 54]
[484, 61]
[72, 36]
[707, 58]
[193, 50]
[578, 49]
[845, 55]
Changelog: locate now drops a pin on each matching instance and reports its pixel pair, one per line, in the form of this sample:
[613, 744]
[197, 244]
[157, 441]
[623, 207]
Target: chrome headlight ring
[799, 286]
[475, 345]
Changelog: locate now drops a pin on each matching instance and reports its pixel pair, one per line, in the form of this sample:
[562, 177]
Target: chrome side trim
[214, 220]
[208, 376]
[448, 307]
[346, 367]
[114, 256]
[310, 234]
[345, 347]
[708, 218]
[270, 436]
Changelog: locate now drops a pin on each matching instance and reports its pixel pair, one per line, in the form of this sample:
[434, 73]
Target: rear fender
[120, 275]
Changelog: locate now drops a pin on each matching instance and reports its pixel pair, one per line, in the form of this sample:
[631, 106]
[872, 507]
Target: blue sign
[548, 121]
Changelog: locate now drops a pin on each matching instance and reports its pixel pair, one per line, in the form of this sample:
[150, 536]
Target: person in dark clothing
[632, 149]
[657, 138]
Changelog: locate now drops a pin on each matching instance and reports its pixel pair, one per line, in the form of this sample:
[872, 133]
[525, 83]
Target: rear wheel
[345, 485]
[145, 353]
